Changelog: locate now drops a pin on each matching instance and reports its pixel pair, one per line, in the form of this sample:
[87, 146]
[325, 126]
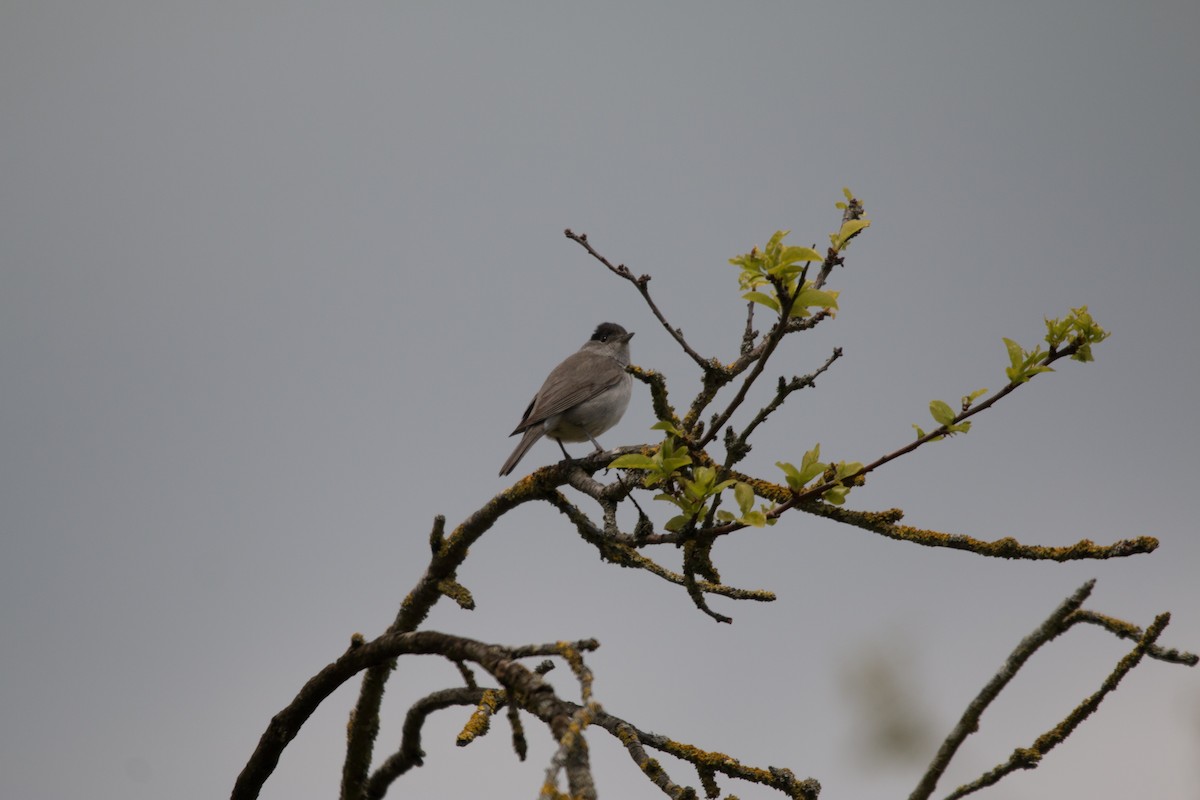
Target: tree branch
[524, 686]
[640, 283]
[1054, 625]
[1125, 630]
[1029, 757]
[740, 445]
[938, 433]
[410, 754]
[636, 741]
[621, 551]
[883, 523]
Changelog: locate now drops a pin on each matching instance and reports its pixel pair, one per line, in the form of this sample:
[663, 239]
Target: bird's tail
[531, 436]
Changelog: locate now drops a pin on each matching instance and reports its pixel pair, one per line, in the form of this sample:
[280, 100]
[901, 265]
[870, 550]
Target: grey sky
[277, 279]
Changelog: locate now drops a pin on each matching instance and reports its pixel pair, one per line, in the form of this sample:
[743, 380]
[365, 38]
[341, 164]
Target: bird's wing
[556, 397]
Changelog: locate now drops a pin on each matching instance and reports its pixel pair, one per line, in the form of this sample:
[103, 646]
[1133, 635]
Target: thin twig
[697, 561]
[774, 337]
[818, 490]
[749, 334]
[640, 283]
[636, 741]
[1125, 630]
[784, 389]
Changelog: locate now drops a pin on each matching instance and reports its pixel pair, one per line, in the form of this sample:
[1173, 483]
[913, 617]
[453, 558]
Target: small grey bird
[583, 397]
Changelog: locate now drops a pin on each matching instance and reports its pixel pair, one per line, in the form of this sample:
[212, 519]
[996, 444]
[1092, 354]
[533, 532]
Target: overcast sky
[278, 279]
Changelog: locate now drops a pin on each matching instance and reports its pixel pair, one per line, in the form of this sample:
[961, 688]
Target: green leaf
[672, 465]
[810, 467]
[850, 227]
[632, 461]
[817, 297]
[1016, 355]
[671, 456]
[813, 298]
[691, 491]
[847, 468]
[676, 524]
[792, 474]
[941, 412]
[1056, 331]
[853, 226]
[762, 299]
[673, 500]
[972, 397]
[794, 254]
[669, 427]
[744, 496]
[836, 495]
[920, 432]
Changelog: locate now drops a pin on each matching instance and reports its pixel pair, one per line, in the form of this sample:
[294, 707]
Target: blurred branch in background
[891, 725]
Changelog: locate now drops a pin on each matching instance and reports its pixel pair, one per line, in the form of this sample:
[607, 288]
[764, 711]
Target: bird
[582, 397]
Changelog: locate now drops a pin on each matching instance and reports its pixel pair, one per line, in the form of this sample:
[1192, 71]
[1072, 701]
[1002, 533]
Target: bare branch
[524, 687]
[520, 745]
[623, 553]
[1029, 757]
[1054, 625]
[640, 283]
[555, 649]
[439, 579]
[481, 721]
[571, 748]
[761, 355]
[663, 409]
[785, 388]
[410, 754]
[697, 560]
[884, 523]
[749, 334]
[364, 719]
[1125, 630]
[636, 741]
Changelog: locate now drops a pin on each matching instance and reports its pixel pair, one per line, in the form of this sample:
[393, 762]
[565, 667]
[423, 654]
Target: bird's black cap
[606, 331]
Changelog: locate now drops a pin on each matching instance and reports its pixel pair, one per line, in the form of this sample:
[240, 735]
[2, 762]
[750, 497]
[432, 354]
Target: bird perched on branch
[583, 396]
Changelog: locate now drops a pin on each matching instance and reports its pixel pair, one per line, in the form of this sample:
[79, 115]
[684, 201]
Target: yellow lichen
[480, 721]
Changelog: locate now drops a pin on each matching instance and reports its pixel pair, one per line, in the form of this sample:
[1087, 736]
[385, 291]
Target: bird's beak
[627, 337]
